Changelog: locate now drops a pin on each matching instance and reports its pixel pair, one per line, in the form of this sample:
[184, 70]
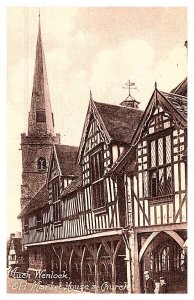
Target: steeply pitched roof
[67, 156]
[38, 202]
[179, 102]
[40, 102]
[181, 88]
[74, 185]
[120, 122]
[175, 104]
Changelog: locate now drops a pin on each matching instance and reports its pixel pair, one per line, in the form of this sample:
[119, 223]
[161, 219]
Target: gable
[63, 162]
[117, 124]
[158, 121]
[95, 135]
[93, 125]
[166, 110]
[159, 104]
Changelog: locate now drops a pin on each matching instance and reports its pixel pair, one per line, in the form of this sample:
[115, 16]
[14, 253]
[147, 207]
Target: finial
[155, 85]
[186, 44]
[39, 18]
[91, 98]
[129, 84]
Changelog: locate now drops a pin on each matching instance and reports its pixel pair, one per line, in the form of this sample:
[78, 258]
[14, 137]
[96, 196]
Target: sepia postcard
[97, 150]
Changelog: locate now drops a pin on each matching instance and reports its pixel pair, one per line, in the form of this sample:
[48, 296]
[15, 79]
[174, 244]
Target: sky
[86, 48]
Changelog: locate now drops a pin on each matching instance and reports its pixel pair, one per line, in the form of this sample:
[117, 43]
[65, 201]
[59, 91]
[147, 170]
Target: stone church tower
[36, 145]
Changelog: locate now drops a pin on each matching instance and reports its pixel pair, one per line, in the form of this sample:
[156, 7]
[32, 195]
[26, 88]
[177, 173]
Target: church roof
[67, 156]
[37, 202]
[181, 88]
[120, 122]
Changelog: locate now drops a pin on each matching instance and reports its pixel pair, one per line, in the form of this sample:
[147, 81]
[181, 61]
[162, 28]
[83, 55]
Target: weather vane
[130, 85]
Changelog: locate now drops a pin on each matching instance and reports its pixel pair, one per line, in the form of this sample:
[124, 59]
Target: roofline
[171, 105]
[179, 85]
[143, 120]
[86, 124]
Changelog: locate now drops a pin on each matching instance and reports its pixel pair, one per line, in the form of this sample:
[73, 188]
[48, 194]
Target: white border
[145, 3]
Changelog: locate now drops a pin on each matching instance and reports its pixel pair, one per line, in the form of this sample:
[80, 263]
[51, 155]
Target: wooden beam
[92, 251]
[182, 226]
[78, 251]
[136, 278]
[180, 208]
[82, 268]
[112, 233]
[70, 264]
[107, 248]
[117, 248]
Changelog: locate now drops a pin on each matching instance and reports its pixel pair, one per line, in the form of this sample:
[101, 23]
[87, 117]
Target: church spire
[40, 117]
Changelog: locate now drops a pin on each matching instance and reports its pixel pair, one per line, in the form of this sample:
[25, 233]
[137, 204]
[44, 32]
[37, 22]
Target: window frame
[43, 162]
[97, 178]
[159, 167]
[56, 202]
[39, 221]
[26, 225]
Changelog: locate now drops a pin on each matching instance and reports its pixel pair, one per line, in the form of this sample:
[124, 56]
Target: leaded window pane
[145, 180]
[160, 152]
[168, 180]
[153, 154]
[153, 184]
[161, 182]
[168, 149]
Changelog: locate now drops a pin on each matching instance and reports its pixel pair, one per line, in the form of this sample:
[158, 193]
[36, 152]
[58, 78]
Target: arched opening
[89, 270]
[121, 270]
[164, 257]
[41, 164]
[105, 272]
[76, 270]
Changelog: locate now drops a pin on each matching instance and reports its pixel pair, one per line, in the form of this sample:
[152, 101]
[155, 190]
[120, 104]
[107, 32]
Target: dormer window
[41, 164]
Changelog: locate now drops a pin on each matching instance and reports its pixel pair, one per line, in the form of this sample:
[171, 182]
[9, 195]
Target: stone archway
[173, 234]
[162, 254]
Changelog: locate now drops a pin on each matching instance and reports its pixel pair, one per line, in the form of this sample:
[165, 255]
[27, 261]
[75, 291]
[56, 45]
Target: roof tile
[120, 122]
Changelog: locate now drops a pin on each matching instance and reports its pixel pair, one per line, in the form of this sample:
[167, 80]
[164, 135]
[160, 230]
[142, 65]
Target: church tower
[36, 145]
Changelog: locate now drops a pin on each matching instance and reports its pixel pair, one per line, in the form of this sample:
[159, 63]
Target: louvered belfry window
[40, 116]
[97, 172]
[160, 169]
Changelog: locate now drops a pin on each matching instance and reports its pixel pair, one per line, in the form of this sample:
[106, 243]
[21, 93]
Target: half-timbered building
[155, 170]
[114, 207]
[74, 220]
